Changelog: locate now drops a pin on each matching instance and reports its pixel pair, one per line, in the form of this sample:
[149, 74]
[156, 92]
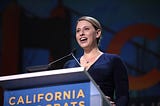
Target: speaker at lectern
[61, 87]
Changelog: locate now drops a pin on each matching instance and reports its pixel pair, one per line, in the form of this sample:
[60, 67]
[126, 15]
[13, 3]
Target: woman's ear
[98, 33]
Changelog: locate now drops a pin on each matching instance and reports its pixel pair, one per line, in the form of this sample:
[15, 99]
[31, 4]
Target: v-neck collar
[94, 62]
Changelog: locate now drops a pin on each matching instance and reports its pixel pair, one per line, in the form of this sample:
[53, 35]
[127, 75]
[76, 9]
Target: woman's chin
[84, 45]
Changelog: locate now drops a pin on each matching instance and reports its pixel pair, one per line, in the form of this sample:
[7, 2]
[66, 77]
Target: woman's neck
[91, 52]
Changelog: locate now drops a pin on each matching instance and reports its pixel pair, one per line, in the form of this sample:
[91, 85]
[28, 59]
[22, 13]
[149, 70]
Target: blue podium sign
[63, 87]
[62, 95]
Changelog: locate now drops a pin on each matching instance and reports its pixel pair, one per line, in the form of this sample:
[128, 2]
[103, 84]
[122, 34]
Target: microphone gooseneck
[50, 65]
[59, 59]
[70, 54]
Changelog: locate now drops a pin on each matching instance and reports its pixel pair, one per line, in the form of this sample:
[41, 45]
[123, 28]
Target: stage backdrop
[130, 29]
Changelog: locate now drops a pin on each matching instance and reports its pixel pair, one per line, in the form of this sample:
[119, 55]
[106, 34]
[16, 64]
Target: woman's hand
[111, 102]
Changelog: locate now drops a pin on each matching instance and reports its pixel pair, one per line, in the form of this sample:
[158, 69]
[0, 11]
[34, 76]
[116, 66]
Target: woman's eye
[77, 30]
[86, 28]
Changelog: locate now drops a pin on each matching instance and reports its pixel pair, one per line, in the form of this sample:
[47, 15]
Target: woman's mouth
[83, 39]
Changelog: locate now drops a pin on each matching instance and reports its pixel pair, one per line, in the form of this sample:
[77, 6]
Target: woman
[108, 70]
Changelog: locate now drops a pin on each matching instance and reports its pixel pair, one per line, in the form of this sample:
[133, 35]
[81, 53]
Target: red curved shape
[144, 81]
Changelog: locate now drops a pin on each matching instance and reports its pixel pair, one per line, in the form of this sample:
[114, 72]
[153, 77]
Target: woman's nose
[82, 33]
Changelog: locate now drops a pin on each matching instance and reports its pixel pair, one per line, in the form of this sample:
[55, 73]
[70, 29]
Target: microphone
[50, 65]
[70, 54]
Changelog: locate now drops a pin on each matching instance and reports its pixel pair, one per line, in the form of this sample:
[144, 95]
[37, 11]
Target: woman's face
[86, 35]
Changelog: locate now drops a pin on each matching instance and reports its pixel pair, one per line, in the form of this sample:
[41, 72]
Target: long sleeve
[121, 82]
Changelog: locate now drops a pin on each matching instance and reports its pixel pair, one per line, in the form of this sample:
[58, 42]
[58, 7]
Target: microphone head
[73, 50]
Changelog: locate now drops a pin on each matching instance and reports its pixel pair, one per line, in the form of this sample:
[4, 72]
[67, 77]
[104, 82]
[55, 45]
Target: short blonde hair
[91, 20]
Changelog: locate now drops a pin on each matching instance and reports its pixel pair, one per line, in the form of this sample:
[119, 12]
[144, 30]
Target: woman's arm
[121, 82]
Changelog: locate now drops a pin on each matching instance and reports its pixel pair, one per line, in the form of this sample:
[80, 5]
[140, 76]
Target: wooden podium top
[44, 78]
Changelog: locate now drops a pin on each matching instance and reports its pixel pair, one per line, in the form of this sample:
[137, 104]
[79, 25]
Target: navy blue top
[110, 73]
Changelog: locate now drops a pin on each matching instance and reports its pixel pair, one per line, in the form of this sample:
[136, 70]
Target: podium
[62, 87]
